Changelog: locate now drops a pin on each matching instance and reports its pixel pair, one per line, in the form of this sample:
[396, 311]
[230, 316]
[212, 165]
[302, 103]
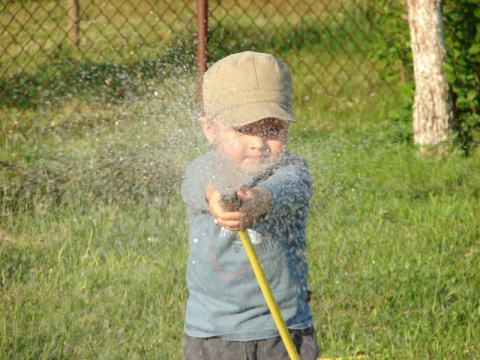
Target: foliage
[462, 39]
[462, 36]
[391, 44]
[109, 82]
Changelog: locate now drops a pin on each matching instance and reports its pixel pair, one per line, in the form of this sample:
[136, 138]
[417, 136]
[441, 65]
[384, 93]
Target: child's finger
[230, 225]
[230, 216]
[233, 221]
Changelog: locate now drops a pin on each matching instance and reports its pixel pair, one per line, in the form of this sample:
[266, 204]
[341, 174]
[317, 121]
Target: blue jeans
[219, 349]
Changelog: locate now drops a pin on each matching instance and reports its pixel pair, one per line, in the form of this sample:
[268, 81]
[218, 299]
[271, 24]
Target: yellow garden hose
[267, 294]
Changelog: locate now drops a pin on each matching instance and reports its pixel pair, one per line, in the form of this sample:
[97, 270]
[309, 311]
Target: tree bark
[432, 109]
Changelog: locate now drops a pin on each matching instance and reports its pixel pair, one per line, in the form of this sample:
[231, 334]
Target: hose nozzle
[231, 202]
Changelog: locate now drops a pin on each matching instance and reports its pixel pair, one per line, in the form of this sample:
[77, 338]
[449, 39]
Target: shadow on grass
[117, 175]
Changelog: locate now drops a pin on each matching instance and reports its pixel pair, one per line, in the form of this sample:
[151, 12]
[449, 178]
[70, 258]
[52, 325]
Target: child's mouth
[257, 163]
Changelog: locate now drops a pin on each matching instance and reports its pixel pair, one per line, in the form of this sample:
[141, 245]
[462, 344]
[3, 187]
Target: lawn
[93, 233]
[93, 258]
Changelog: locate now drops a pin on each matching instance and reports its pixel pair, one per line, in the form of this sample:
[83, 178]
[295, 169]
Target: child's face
[250, 147]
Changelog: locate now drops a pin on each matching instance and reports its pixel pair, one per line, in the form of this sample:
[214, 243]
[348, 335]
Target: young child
[247, 106]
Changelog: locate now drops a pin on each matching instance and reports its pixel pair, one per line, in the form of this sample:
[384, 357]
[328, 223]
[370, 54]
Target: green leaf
[471, 95]
[474, 49]
[448, 68]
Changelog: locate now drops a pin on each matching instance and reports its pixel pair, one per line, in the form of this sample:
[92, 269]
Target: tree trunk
[432, 109]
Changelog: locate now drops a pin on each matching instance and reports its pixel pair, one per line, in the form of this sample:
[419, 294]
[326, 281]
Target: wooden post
[202, 45]
[73, 22]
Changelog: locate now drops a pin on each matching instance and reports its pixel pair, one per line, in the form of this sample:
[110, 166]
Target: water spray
[232, 202]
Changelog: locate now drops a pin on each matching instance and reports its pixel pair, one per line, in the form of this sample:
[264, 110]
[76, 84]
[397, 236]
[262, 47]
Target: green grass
[101, 284]
[394, 247]
[93, 234]
[394, 251]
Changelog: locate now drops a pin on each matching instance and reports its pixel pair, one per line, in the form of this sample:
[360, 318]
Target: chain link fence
[75, 58]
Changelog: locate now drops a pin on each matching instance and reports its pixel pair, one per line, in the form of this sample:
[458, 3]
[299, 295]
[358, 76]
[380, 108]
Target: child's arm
[283, 193]
[290, 188]
[255, 202]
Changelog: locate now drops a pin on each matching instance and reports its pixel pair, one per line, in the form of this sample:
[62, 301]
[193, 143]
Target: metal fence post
[73, 22]
[202, 45]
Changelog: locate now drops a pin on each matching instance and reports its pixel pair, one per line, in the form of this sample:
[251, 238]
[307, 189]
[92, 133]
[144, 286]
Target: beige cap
[246, 87]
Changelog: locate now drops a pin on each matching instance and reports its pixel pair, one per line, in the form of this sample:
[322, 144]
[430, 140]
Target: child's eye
[268, 132]
[242, 129]
[273, 130]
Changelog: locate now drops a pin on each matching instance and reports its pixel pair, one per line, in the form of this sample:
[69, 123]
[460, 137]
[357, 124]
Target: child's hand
[255, 202]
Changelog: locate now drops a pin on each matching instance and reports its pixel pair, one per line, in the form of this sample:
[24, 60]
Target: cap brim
[250, 113]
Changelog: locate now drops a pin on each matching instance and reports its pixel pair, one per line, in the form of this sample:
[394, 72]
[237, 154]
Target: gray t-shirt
[225, 299]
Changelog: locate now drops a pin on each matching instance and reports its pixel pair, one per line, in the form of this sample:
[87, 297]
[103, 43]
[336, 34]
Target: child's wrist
[208, 192]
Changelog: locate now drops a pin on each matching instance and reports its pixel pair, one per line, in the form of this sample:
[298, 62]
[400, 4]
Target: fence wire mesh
[76, 57]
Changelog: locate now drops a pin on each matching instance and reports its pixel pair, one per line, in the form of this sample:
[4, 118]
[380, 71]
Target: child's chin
[254, 165]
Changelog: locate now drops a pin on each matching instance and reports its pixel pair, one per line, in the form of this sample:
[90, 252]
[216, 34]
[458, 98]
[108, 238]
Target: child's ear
[208, 128]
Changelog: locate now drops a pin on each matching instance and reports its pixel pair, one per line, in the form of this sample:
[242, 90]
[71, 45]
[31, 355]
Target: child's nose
[257, 141]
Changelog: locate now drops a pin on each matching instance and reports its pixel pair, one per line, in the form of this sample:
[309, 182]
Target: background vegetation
[93, 232]
[461, 21]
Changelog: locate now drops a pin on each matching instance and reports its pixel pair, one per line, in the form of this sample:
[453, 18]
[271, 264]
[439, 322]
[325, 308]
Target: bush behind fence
[122, 46]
